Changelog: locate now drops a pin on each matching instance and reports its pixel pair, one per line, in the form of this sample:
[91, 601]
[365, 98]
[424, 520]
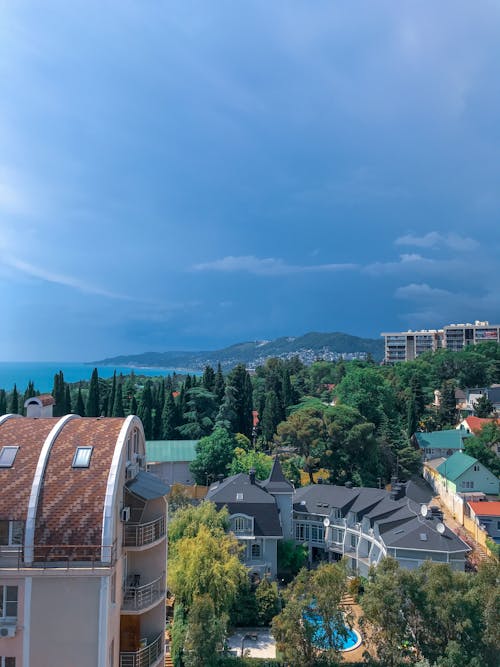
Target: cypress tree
[158, 409]
[133, 406]
[448, 407]
[242, 383]
[30, 391]
[111, 401]
[208, 378]
[219, 385]
[145, 410]
[270, 416]
[227, 416]
[93, 402]
[59, 395]
[118, 410]
[80, 407]
[3, 402]
[169, 418]
[67, 400]
[412, 417]
[188, 383]
[14, 402]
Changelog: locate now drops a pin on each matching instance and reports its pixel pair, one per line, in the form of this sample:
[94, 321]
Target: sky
[187, 175]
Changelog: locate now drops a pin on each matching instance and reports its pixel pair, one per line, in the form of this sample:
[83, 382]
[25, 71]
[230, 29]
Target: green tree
[291, 558]
[118, 409]
[3, 402]
[483, 407]
[14, 401]
[271, 416]
[208, 378]
[169, 417]
[205, 632]
[67, 400]
[112, 397]
[244, 461]
[93, 401]
[188, 521]
[29, 393]
[80, 407]
[267, 599]
[313, 594]
[145, 412]
[214, 454]
[305, 432]
[199, 415]
[219, 385]
[483, 446]
[159, 402]
[240, 380]
[227, 416]
[447, 412]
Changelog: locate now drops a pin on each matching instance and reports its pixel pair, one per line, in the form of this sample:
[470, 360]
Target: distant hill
[308, 347]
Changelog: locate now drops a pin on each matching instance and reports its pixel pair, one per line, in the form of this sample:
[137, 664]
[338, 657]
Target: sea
[42, 373]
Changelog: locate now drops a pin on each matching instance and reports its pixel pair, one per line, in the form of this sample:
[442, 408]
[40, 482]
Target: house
[83, 544]
[260, 514]
[461, 473]
[365, 524]
[473, 395]
[474, 425]
[170, 460]
[440, 443]
[487, 515]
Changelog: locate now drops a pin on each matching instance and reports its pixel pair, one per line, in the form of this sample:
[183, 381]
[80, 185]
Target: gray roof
[277, 482]
[256, 502]
[147, 486]
[321, 498]
[419, 533]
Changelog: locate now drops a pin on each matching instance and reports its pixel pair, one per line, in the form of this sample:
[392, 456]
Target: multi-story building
[408, 345]
[83, 546]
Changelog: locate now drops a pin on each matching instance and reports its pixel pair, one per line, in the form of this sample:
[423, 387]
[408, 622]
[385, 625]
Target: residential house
[260, 515]
[487, 516]
[365, 524]
[83, 544]
[438, 444]
[170, 460]
[461, 473]
[473, 395]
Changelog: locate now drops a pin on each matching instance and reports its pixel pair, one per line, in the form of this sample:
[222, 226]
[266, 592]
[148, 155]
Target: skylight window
[423, 537]
[82, 457]
[7, 456]
[239, 496]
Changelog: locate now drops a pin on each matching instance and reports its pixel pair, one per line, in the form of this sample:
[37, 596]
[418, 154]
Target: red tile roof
[476, 423]
[486, 508]
[71, 502]
[15, 482]
[46, 399]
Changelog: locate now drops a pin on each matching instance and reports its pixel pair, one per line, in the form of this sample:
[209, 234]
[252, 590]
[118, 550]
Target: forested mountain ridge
[308, 347]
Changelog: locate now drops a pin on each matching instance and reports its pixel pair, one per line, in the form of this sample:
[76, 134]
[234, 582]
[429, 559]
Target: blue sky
[185, 175]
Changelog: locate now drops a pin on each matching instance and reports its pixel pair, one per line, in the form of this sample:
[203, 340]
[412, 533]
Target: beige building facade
[83, 548]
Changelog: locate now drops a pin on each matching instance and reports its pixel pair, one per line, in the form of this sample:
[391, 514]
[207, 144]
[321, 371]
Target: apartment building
[408, 345]
[83, 547]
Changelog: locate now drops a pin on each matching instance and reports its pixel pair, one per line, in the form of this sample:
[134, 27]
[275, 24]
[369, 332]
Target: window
[239, 496]
[255, 551]
[8, 601]
[113, 587]
[11, 533]
[7, 456]
[354, 541]
[241, 524]
[476, 468]
[498, 525]
[82, 457]
[337, 514]
[7, 662]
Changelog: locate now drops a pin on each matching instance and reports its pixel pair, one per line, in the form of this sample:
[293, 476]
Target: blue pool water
[320, 636]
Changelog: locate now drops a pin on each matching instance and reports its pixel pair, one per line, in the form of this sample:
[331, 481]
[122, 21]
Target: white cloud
[407, 262]
[420, 291]
[267, 266]
[435, 239]
[47, 275]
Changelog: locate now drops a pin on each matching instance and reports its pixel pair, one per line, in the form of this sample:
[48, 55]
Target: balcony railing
[62, 556]
[142, 534]
[144, 657]
[136, 598]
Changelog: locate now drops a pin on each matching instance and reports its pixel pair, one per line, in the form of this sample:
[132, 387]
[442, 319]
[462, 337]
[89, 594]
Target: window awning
[147, 486]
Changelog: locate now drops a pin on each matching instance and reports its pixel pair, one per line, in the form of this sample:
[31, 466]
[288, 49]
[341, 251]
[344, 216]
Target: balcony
[137, 535]
[150, 655]
[138, 598]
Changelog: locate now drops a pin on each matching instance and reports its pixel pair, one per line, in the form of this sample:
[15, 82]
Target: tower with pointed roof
[282, 490]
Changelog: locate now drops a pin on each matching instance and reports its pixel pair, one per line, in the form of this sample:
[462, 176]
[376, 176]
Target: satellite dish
[424, 510]
[326, 522]
[440, 528]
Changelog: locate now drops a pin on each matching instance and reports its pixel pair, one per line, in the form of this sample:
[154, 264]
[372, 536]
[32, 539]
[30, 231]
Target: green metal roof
[456, 465]
[452, 439]
[169, 451]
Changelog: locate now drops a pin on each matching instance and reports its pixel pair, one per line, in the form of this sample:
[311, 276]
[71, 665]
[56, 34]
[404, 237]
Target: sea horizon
[41, 373]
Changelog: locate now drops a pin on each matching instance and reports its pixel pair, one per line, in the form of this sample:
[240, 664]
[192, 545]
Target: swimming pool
[348, 642]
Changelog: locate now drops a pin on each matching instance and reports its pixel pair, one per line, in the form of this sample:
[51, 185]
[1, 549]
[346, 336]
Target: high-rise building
[408, 345]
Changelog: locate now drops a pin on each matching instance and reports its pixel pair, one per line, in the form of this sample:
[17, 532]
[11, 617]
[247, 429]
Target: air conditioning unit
[125, 514]
[131, 471]
[7, 631]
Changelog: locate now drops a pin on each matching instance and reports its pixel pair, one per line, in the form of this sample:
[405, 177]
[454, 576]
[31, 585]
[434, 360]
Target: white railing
[136, 598]
[144, 657]
[141, 534]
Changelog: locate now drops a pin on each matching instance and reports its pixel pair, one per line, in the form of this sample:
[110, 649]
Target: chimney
[348, 485]
[251, 474]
